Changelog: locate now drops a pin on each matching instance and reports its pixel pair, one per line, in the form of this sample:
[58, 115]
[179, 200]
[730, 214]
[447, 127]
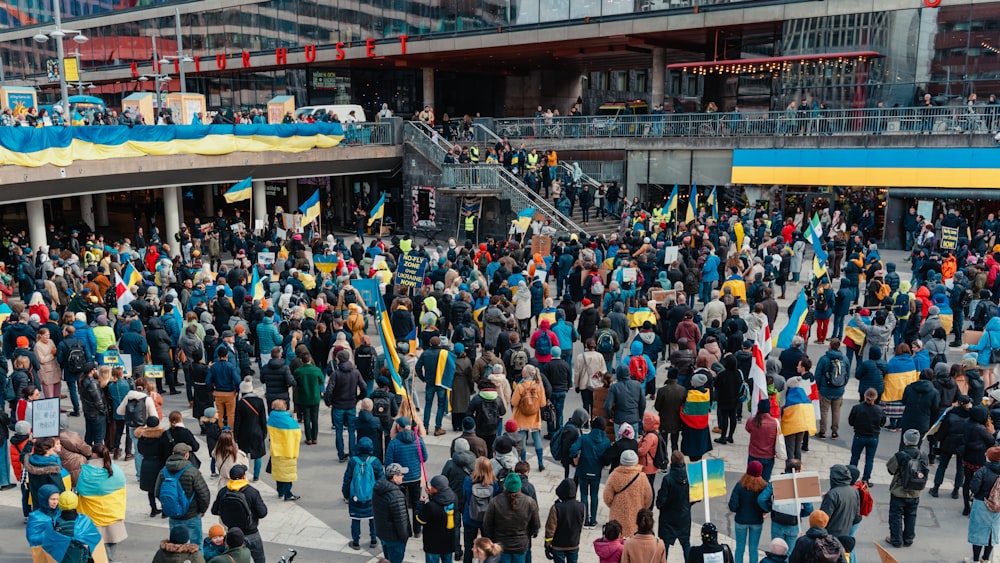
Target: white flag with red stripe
[758, 379]
[122, 293]
[764, 339]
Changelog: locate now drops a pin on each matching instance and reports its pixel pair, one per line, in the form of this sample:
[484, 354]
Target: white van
[341, 111]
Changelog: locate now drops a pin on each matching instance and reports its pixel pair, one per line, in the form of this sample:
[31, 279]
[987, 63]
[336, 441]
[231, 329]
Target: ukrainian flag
[671, 208]
[714, 203]
[738, 231]
[102, 497]
[638, 315]
[285, 437]
[900, 372]
[256, 285]
[310, 209]
[716, 470]
[384, 329]
[524, 218]
[694, 412]
[444, 372]
[131, 276]
[692, 209]
[50, 546]
[797, 415]
[326, 263]
[378, 211]
[241, 191]
[795, 320]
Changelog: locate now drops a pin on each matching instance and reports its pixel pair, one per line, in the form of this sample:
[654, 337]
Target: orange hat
[216, 531]
[22, 342]
[240, 329]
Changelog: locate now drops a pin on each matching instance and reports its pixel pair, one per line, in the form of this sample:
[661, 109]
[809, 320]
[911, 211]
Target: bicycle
[288, 559]
[509, 131]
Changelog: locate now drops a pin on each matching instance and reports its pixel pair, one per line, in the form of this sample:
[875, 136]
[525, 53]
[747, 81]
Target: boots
[934, 491]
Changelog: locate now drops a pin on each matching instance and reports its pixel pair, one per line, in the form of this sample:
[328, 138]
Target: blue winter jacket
[990, 340]
[355, 508]
[823, 366]
[566, 335]
[86, 334]
[590, 447]
[710, 270]
[268, 335]
[403, 450]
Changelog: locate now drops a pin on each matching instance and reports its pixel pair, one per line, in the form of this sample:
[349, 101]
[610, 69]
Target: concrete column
[658, 75]
[180, 203]
[171, 215]
[428, 82]
[259, 202]
[292, 185]
[36, 224]
[209, 201]
[101, 209]
[87, 210]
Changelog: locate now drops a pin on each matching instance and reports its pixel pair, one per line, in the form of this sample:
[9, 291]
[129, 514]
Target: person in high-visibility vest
[470, 227]
[474, 154]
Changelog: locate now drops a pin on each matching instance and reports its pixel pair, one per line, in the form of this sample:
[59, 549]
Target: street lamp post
[158, 77]
[58, 34]
[180, 57]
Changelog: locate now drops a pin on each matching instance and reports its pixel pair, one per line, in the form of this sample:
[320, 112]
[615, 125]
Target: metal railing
[971, 120]
[369, 133]
[496, 177]
[604, 171]
[586, 179]
[426, 141]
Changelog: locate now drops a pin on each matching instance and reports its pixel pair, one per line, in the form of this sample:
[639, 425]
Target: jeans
[869, 446]
[589, 488]
[442, 404]
[310, 421]
[256, 467]
[342, 418]
[536, 438]
[5, 464]
[193, 526]
[767, 464]
[513, 557]
[787, 533]
[705, 291]
[727, 422]
[256, 546]
[902, 520]
[566, 556]
[356, 529]
[97, 426]
[284, 489]
[829, 409]
[73, 382]
[586, 212]
[838, 326]
[137, 457]
[587, 396]
[743, 531]
[436, 558]
[558, 399]
[942, 468]
[394, 551]
[470, 534]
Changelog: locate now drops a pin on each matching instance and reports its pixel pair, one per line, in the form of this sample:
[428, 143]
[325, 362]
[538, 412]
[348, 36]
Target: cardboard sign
[45, 418]
[949, 238]
[971, 336]
[541, 244]
[803, 487]
[410, 271]
[153, 372]
[662, 295]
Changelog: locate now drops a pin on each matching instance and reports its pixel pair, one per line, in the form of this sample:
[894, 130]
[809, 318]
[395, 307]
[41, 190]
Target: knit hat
[439, 482]
[911, 437]
[22, 428]
[512, 483]
[152, 421]
[22, 342]
[556, 352]
[629, 458]
[461, 445]
[993, 454]
[344, 355]
[179, 535]
[587, 302]
[210, 412]
[511, 426]
[778, 547]
[68, 500]
[459, 348]
[246, 387]
[216, 531]
[755, 468]
[933, 310]
[468, 424]
[699, 380]
[970, 360]
[626, 432]
[504, 445]
[818, 519]
[235, 537]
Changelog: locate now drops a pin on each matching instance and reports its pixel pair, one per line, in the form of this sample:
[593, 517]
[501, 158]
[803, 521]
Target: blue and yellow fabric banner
[797, 414]
[795, 319]
[61, 146]
[102, 497]
[384, 329]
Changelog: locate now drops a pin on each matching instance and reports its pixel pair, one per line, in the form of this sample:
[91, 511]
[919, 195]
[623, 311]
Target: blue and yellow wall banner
[889, 167]
[61, 146]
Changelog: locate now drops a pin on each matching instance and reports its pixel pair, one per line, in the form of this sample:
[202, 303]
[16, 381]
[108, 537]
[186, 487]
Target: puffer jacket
[178, 553]
[92, 398]
[626, 400]
[277, 379]
[159, 341]
[456, 469]
[590, 447]
[403, 450]
[921, 402]
[512, 520]
[649, 442]
[392, 521]
[802, 552]
[267, 335]
[191, 481]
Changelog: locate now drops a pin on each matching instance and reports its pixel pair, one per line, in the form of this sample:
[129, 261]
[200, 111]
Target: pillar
[259, 202]
[292, 186]
[101, 209]
[36, 224]
[428, 82]
[87, 210]
[180, 204]
[208, 193]
[658, 75]
[171, 214]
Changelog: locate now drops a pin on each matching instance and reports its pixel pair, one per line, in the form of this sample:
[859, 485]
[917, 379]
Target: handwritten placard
[153, 372]
[45, 418]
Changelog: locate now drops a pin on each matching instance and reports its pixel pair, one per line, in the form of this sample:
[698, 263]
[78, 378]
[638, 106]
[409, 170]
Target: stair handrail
[513, 185]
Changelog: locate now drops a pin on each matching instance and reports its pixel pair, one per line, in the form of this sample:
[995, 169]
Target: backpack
[914, 476]
[661, 456]
[826, 549]
[530, 402]
[821, 303]
[173, 499]
[468, 336]
[135, 413]
[76, 358]
[867, 502]
[836, 376]
[901, 306]
[362, 481]
[479, 501]
[606, 342]
[596, 285]
[992, 500]
[488, 417]
[237, 498]
[965, 299]
[638, 368]
[556, 446]
[985, 311]
[518, 360]
[543, 344]
[382, 410]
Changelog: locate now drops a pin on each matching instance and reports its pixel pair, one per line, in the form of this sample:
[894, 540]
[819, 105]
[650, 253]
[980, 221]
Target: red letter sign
[246, 59]
[932, 3]
[310, 53]
[197, 64]
[370, 47]
[340, 50]
[402, 42]
[281, 56]
[220, 62]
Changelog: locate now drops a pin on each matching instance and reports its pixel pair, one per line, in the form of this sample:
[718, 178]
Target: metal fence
[973, 120]
[370, 133]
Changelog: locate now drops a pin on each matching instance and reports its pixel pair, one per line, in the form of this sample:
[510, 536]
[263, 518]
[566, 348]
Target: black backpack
[76, 358]
[661, 457]
[235, 502]
[488, 417]
[135, 413]
[914, 471]
[821, 303]
[382, 410]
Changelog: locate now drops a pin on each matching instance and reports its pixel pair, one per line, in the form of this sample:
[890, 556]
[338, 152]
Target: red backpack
[638, 368]
[867, 502]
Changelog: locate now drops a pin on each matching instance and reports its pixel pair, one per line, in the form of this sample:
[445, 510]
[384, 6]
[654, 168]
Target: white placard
[266, 259]
[670, 255]
[45, 418]
[629, 274]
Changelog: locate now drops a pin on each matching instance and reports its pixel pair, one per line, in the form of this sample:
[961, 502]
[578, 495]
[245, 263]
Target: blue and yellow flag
[670, 209]
[713, 202]
[378, 211]
[524, 218]
[310, 209]
[102, 497]
[795, 320]
[131, 276]
[326, 263]
[692, 209]
[797, 415]
[284, 433]
[256, 285]
[241, 191]
[384, 330]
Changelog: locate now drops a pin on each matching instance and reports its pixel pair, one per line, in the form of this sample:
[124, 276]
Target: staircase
[487, 176]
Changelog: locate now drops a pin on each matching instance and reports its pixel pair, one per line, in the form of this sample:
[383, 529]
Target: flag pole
[704, 492]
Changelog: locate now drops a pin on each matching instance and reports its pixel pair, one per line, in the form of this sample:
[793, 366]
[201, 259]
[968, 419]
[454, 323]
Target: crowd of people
[490, 346]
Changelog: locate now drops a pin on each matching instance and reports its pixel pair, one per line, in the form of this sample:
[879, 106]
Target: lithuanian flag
[694, 411]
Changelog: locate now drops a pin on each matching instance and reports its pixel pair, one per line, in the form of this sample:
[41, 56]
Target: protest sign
[45, 418]
[410, 271]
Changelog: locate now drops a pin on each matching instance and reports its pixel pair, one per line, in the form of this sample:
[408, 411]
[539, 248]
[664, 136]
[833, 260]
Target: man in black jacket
[392, 521]
[239, 505]
[560, 376]
[674, 503]
[437, 516]
[95, 410]
[951, 437]
[277, 378]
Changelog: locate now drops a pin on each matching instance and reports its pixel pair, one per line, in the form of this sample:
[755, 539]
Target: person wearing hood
[436, 368]
[589, 449]
[461, 465]
[975, 441]
[267, 332]
[344, 389]
[903, 501]
[437, 516]
[626, 400]
[522, 308]
[674, 503]
[487, 409]
[589, 320]
[648, 445]
[178, 549]
[462, 385]
[710, 546]
[624, 495]
[276, 377]
[819, 531]
[652, 346]
[41, 522]
[950, 435]
[568, 435]
[696, 434]
[871, 374]
[543, 341]
[564, 524]
[984, 524]
[728, 383]
[392, 523]
[841, 504]
[988, 345]
[920, 404]
[160, 353]
[359, 508]
[407, 449]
